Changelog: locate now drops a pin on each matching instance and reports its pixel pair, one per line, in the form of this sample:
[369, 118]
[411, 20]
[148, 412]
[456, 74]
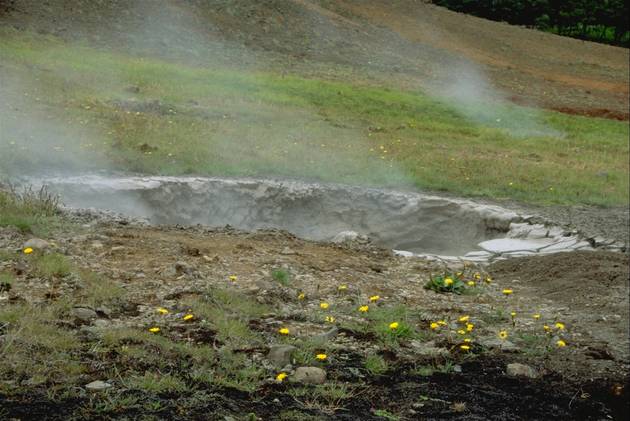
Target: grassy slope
[219, 121]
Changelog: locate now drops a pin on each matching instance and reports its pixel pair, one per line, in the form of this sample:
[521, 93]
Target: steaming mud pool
[410, 223]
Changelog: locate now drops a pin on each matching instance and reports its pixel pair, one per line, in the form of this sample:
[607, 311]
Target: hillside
[408, 42]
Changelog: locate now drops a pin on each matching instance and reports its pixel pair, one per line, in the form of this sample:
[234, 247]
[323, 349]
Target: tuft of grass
[6, 281]
[380, 320]
[375, 364]
[383, 413]
[35, 349]
[52, 265]
[30, 211]
[157, 383]
[328, 397]
[448, 282]
[97, 290]
[282, 276]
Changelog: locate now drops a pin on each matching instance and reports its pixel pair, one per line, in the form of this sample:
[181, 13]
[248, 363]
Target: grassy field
[71, 107]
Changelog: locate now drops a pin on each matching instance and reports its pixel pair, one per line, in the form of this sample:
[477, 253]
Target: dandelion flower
[301, 296]
[188, 317]
[342, 287]
[233, 278]
[507, 291]
[323, 306]
[465, 347]
[536, 316]
[477, 276]
[471, 283]
[467, 340]
[280, 377]
[560, 343]
[162, 310]
[330, 319]
[559, 326]
[547, 328]
[154, 329]
[321, 357]
[393, 325]
[503, 334]
[463, 319]
[448, 281]
[461, 331]
[364, 309]
[441, 322]
[283, 331]
[513, 314]
[488, 279]
[28, 250]
[434, 325]
[374, 298]
[469, 327]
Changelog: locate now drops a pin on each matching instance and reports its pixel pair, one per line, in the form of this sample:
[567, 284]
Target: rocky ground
[78, 318]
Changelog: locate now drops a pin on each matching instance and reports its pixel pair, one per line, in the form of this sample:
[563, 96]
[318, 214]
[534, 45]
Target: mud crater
[401, 220]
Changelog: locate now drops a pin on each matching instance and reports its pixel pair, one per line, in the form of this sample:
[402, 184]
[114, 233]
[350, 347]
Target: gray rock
[37, 244]
[83, 314]
[280, 355]
[287, 251]
[345, 236]
[98, 386]
[328, 335]
[101, 323]
[521, 370]
[310, 375]
[500, 344]
[428, 349]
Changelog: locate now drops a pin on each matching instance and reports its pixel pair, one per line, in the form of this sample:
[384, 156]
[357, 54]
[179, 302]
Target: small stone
[500, 344]
[280, 355]
[83, 314]
[428, 349]
[101, 323]
[97, 386]
[310, 375]
[345, 236]
[37, 244]
[183, 268]
[287, 251]
[521, 370]
[328, 335]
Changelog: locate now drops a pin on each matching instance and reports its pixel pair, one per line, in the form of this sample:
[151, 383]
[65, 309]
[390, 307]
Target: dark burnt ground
[482, 384]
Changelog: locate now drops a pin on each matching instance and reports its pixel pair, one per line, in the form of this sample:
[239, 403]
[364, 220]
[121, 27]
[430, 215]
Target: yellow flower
[393, 325]
[281, 376]
[469, 327]
[188, 316]
[364, 309]
[233, 278]
[467, 340]
[154, 329]
[560, 343]
[162, 310]
[442, 323]
[463, 319]
[28, 250]
[434, 325]
[374, 298]
[559, 326]
[461, 331]
[342, 287]
[465, 347]
[503, 334]
[471, 283]
[301, 296]
[323, 306]
[547, 328]
[458, 274]
[477, 276]
[513, 314]
[330, 319]
[488, 279]
[507, 291]
[321, 357]
[448, 281]
[283, 331]
[536, 316]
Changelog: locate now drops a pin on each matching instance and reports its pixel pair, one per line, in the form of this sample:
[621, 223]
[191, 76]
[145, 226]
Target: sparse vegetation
[375, 364]
[282, 276]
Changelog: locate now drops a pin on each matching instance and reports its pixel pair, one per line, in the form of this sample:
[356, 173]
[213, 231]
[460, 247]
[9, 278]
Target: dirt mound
[409, 43]
[569, 276]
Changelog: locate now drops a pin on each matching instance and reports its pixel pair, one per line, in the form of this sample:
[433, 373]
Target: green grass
[52, 265]
[282, 276]
[29, 211]
[375, 364]
[218, 121]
